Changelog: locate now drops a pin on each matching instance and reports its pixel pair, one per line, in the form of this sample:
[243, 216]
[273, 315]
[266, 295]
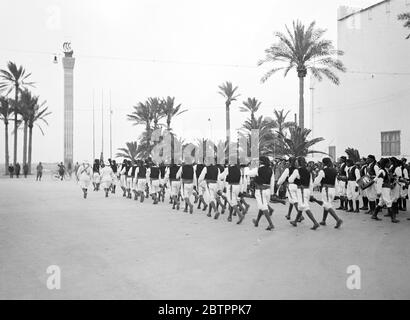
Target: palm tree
[297, 144]
[280, 122]
[303, 49]
[37, 112]
[170, 110]
[251, 105]
[130, 152]
[157, 111]
[229, 93]
[142, 116]
[263, 126]
[406, 18]
[24, 109]
[14, 78]
[5, 112]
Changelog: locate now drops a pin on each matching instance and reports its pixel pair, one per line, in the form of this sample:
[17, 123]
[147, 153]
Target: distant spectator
[17, 170]
[25, 170]
[11, 171]
[61, 170]
[39, 171]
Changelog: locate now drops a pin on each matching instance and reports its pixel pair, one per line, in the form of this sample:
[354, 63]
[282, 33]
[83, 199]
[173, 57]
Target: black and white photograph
[205, 150]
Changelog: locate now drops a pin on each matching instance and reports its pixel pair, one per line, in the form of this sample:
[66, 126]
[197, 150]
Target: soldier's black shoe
[338, 224]
[323, 223]
[270, 228]
[254, 222]
[315, 226]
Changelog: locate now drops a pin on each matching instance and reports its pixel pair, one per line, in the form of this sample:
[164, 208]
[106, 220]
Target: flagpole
[93, 126]
[110, 128]
[102, 124]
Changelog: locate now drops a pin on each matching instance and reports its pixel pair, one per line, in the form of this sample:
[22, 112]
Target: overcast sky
[197, 44]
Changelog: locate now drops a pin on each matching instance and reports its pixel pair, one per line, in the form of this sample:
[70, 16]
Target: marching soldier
[209, 176]
[84, 174]
[265, 184]
[174, 184]
[302, 177]
[154, 177]
[96, 175]
[188, 179]
[341, 184]
[383, 187]
[291, 188]
[372, 170]
[141, 179]
[327, 180]
[232, 175]
[107, 177]
[353, 175]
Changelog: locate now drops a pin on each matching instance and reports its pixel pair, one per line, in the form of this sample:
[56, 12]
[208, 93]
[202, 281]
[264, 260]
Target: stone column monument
[68, 65]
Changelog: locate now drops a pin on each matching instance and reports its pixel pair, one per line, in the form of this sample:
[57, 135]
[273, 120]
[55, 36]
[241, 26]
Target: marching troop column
[68, 65]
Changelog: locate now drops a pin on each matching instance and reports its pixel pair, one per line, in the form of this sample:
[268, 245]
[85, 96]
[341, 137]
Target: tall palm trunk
[15, 126]
[228, 131]
[301, 103]
[30, 145]
[6, 140]
[25, 143]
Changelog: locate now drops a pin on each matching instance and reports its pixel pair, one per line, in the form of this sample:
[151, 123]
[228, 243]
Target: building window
[390, 143]
[332, 152]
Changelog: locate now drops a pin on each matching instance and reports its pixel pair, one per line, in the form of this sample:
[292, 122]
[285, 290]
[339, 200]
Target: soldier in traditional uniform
[188, 179]
[114, 168]
[174, 184]
[123, 177]
[302, 177]
[96, 175]
[265, 184]
[209, 177]
[141, 179]
[107, 177]
[162, 181]
[84, 176]
[341, 184]
[363, 193]
[199, 188]
[383, 187]
[353, 175]
[327, 180]
[154, 174]
[291, 188]
[232, 176]
[372, 170]
[404, 189]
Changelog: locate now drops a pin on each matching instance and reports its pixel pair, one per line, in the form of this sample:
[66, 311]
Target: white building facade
[370, 109]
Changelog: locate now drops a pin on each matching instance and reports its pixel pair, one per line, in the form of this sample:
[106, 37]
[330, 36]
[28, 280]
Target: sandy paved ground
[118, 248]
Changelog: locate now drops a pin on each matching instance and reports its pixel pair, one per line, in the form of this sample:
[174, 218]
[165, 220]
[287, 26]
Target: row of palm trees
[25, 109]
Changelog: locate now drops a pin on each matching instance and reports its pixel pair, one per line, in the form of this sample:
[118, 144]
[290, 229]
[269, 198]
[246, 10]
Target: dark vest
[187, 172]
[173, 170]
[342, 171]
[291, 169]
[199, 168]
[305, 175]
[96, 167]
[133, 170]
[114, 168]
[154, 173]
[234, 175]
[351, 173]
[330, 176]
[142, 172]
[264, 175]
[370, 169]
[162, 170]
[211, 173]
